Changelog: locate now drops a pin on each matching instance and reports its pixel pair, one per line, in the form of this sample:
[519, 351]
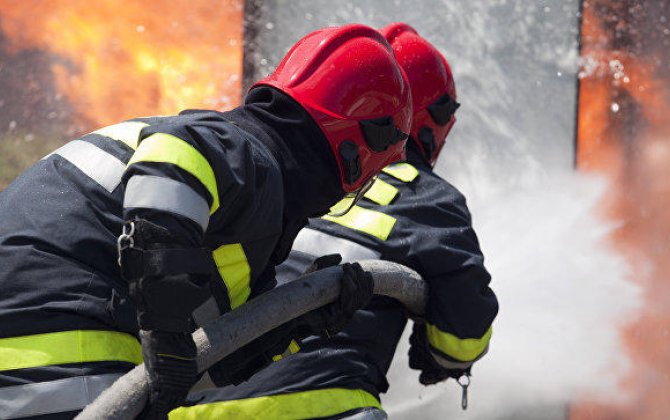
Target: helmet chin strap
[350, 199]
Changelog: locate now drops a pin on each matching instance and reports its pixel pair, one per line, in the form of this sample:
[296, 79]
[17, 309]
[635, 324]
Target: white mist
[564, 291]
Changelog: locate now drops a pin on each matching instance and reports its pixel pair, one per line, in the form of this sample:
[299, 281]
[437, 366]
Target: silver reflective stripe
[448, 364]
[102, 167]
[153, 192]
[313, 242]
[58, 396]
[371, 413]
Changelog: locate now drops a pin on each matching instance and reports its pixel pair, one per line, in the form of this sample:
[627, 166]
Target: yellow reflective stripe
[465, 350]
[402, 171]
[126, 132]
[68, 347]
[161, 147]
[235, 271]
[297, 405]
[371, 222]
[293, 348]
[381, 192]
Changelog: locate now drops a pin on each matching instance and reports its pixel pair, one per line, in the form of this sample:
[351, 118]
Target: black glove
[170, 361]
[167, 281]
[322, 262]
[356, 289]
[240, 365]
[421, 358]
[356, 292]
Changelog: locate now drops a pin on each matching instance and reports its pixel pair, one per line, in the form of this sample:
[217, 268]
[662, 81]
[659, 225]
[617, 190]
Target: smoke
[564, 295]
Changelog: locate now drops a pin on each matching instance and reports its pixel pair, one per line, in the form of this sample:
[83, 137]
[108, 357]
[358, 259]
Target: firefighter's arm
[461, 306]
[172, 187]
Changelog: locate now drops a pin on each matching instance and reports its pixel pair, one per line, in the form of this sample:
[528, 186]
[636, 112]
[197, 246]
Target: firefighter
[410, 216]
[115, 246]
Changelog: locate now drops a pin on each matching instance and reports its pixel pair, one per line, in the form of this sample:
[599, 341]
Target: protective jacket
[232, 183]
[410, 216]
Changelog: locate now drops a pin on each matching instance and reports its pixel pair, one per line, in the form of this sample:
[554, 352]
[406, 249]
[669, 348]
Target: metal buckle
[125, 240]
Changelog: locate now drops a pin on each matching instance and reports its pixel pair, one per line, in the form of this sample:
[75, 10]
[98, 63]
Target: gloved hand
[356, 290]
[244, 362]
[170, 361]
[322, 262]
[167, 280]
[421, 358]
[355, 293]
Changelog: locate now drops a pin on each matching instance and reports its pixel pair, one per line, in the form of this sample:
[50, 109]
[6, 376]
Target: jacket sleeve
[441, 244]
[177, 175]
[197, 173]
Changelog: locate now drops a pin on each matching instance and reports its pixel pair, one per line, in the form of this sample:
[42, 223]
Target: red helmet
[350, 83]
[432, 84]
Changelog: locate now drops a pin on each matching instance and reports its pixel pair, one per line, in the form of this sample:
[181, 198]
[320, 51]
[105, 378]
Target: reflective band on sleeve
[465, 350]
[449, 364]
[235, 271]
[381, 192]
[100, 166]
[297, 405]
[153, 192]
[371, 222]
[311, 241]
[125, 132]
[367, 414]
[161, 147]
[53, 397]
[59, 348]
[402, 171]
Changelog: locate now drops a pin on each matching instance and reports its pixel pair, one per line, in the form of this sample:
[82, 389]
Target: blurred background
[561, 147]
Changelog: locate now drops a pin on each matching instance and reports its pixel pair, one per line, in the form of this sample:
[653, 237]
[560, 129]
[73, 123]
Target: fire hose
[126, 398]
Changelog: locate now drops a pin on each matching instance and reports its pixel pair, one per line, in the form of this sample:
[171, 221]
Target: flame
[624, 132]
[114, 60]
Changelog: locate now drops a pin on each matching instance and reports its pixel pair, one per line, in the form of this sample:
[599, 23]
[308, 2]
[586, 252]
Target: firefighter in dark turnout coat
[197, 209]
[410, 216]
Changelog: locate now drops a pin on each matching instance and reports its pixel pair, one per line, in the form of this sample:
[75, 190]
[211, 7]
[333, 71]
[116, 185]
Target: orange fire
[624, 132]
[114, 60]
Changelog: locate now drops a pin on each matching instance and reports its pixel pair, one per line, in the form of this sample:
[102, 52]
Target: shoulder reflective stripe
[161, 147]
[311, 241]
[402, 171]
[297, 405]
[465, 350]
[153, 192]
[100, 166]
[59, 396]
[68, 347]
[381, 192]
[234, 269]
[126, 132]
[371, 222]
